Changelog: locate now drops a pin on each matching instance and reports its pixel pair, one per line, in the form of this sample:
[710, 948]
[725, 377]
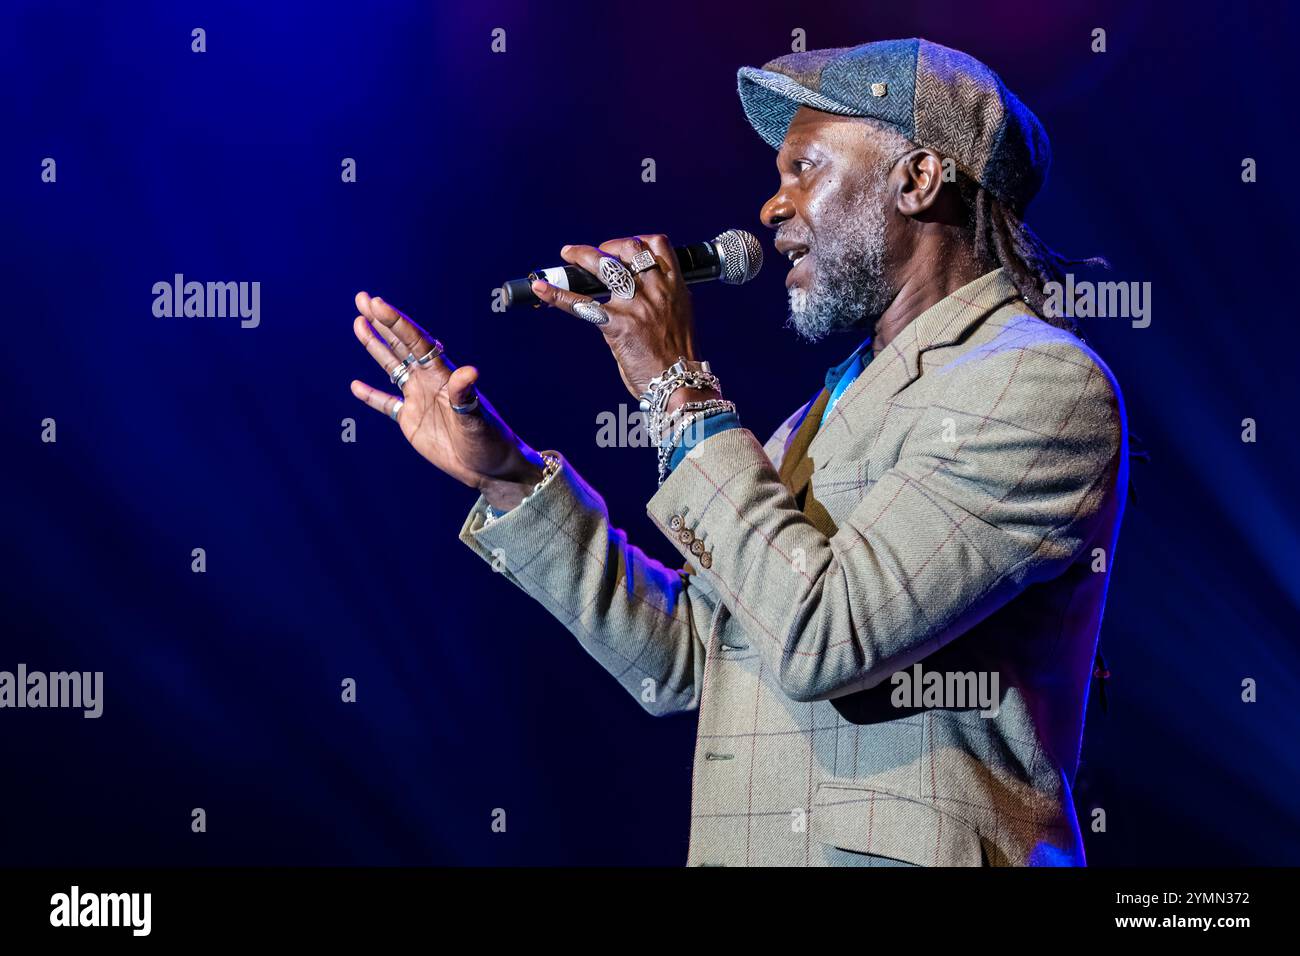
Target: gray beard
[848, 288]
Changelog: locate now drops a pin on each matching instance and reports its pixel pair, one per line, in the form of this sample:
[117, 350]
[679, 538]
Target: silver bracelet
[708, 404]
[678, 375]
[552, 465]
[701, 410]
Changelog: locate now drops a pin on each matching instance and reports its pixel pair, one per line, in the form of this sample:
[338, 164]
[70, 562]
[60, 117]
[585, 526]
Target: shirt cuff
[706, 427]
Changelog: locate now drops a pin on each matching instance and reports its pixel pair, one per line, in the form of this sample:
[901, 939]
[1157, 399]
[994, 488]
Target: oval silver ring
[592, 311]
[615, 277]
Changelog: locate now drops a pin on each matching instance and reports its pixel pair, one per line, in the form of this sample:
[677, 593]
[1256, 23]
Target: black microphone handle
[698, 263]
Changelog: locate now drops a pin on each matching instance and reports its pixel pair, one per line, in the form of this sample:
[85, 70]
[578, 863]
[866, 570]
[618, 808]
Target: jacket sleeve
[643, 621]
[980, 504]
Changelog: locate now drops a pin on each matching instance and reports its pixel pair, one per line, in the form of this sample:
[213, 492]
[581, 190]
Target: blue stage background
[328, 560]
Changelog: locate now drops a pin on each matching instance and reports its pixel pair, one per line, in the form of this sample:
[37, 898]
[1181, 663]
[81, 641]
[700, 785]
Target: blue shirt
[838, 380]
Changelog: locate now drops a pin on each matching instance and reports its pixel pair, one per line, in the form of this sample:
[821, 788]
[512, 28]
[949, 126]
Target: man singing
[942, 515]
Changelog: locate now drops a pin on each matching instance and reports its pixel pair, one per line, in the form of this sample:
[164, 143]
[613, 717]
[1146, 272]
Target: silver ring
[403, 377]
[432, 354]
[592, 311]
[643, 260]
[615, 277]
[468, 407]
[397, 407]
[400, 368]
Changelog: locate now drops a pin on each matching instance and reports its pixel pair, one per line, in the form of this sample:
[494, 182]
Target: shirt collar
[833, 375]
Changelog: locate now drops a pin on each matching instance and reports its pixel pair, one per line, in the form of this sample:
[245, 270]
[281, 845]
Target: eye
[801, 164]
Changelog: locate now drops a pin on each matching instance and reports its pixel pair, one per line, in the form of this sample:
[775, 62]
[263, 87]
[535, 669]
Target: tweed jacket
[975, 474]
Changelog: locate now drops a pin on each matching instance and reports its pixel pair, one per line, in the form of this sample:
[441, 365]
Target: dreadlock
[1002, 237]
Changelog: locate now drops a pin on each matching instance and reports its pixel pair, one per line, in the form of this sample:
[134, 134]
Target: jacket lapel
[862, 407]
[796, 450]
[797, 468]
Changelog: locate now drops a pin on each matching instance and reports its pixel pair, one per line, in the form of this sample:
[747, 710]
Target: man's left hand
[648, 332]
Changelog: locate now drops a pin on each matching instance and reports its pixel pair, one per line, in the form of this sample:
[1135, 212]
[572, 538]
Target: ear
[921, 173]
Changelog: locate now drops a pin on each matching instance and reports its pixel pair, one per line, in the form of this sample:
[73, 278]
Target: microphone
[734, 257]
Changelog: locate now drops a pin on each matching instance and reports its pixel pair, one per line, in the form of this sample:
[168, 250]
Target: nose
[777, 209]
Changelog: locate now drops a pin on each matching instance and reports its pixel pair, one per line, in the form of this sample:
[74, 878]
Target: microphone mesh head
[740, 255]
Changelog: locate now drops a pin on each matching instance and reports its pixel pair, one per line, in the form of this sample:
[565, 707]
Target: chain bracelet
[655, 399]
[674, 419]
[552, 465]
[701, 410]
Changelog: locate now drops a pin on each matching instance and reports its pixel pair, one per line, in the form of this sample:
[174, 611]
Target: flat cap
[935, 96]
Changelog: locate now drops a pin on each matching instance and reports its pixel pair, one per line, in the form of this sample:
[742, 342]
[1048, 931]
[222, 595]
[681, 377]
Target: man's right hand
[477, 448]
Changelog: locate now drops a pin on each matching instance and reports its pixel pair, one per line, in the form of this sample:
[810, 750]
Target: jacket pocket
[873, 821]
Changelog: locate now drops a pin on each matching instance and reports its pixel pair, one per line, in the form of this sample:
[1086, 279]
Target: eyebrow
[800, 144]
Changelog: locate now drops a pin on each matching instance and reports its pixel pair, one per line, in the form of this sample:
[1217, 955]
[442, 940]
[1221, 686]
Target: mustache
[796, 239]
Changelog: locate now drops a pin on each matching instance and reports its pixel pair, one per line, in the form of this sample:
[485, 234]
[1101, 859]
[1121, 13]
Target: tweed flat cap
[937, 97]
